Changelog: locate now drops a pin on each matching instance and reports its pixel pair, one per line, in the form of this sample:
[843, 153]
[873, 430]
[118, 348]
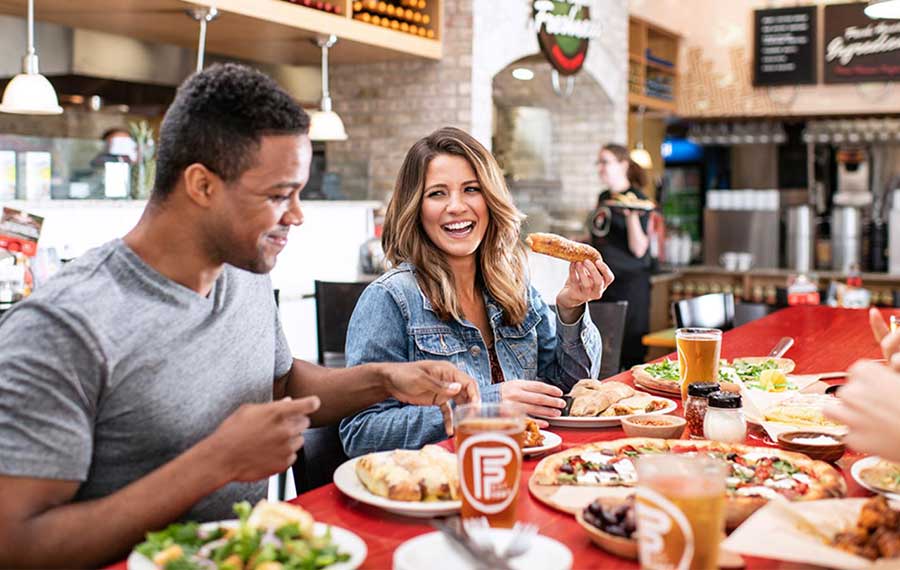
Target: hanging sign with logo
[785, 46]
[859, 49]
[564, 28]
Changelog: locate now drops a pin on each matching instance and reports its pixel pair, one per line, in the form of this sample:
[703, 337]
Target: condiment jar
[724, 419]
[695, 406]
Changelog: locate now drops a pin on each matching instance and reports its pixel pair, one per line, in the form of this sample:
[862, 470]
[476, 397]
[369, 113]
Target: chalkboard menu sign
[858, 48]
[785, 46]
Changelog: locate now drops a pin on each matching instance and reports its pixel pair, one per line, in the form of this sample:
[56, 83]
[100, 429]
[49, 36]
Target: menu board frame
[799, 57]
[847, 31]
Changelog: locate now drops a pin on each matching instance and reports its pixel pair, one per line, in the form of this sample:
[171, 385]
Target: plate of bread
[415, 483]
[592, 403]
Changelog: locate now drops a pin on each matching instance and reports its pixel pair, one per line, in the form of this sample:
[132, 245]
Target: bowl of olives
[611, 526]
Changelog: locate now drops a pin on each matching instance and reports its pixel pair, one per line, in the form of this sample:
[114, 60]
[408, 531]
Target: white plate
[345, 540]
[863, 463]
[432, 551]
[551, 442]
[607, 421]
[346, 480]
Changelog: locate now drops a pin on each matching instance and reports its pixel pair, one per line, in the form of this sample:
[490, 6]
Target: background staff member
[621, 236]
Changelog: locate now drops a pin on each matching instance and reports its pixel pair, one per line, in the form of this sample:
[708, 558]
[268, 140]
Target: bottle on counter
[724, 420]
[696, 405]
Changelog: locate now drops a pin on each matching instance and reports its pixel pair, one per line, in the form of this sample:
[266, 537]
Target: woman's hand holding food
[587, 281]
[538, 398]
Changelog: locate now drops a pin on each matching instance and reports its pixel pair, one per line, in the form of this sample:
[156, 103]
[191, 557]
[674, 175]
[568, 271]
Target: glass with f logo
[489, 441]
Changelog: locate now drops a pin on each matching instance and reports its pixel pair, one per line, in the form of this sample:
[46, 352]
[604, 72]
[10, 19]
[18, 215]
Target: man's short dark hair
[218, 119]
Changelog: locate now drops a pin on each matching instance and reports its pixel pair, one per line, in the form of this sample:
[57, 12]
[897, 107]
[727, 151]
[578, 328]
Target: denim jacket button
[475, 350]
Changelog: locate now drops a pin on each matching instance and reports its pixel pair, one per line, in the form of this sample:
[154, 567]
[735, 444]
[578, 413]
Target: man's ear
[200, 183]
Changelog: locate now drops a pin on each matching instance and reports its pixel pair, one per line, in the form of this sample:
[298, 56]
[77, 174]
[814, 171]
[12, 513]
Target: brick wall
[581, 124]
[387, 106]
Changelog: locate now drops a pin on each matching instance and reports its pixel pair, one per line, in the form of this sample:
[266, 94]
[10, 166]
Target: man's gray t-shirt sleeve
[283, 358]
[48, 394]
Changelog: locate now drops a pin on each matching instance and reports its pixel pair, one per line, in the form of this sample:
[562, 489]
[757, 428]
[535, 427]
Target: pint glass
[698, 356]
[489, 440]
[680, 511]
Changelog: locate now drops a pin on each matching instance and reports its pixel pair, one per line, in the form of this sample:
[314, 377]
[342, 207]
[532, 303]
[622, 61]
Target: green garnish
[665, 370]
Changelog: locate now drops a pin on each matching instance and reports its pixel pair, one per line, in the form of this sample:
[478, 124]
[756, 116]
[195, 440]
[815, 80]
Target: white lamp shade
[889, 9]
[30, 94]
[642, 158]
[326, 126]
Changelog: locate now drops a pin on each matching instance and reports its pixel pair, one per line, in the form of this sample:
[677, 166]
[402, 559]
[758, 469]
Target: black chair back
[334, 306]
[747, 312]
[322, 450]
[610, 320]
[715, 311]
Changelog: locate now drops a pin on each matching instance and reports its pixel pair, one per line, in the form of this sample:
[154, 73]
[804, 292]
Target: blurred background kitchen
[773, 156]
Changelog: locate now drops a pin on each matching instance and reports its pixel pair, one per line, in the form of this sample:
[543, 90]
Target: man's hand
[431, 383]
[259, 440]
[586, 282]
[889, 341]
[871, 409]
[538, 398]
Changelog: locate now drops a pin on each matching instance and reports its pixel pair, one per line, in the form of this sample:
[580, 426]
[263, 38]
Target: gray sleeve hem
[32, 466]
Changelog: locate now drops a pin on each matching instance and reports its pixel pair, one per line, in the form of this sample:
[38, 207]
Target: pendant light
[325, 124]
[640, 155]
[888, 9]
[29, 93]
[204, 16]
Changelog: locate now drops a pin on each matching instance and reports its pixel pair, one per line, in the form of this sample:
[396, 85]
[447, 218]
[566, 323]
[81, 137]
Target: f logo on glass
[493, 459]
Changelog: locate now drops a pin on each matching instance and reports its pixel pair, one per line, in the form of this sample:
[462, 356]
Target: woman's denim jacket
[394, 322]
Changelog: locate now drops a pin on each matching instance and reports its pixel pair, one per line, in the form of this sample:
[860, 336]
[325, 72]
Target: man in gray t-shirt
[150, 380]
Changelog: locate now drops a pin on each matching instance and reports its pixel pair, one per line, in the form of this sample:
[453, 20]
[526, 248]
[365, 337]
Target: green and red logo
[564, 29]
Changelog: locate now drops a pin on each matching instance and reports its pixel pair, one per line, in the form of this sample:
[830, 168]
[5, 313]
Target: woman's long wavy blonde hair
[500, 257]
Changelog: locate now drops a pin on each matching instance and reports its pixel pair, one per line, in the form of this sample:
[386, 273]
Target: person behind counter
[151, 380]
[621, 236]
[459, 293]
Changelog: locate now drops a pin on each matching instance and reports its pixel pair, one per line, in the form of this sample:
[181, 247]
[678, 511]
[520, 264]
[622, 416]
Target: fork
[518, 544]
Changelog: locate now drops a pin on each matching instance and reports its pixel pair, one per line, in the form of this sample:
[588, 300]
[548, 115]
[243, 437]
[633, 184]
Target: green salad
[664, 370]
[188, 546]
[752, 375]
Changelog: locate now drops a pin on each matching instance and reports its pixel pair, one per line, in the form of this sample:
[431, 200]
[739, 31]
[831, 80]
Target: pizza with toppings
[755, 474]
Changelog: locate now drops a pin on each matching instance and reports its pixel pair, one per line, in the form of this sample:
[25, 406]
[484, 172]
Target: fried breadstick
[558, 246]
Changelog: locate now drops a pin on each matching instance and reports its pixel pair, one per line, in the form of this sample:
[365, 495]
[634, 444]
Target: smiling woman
[459, 292]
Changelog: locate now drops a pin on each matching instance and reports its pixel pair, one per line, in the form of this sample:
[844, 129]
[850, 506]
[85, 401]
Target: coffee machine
[852, 200]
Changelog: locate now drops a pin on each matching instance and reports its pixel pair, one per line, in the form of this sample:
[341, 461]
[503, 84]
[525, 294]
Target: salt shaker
[695, 406]
[724, 419]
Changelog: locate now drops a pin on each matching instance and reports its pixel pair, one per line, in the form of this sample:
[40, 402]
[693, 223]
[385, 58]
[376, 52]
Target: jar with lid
[695, 406]
[724, 419]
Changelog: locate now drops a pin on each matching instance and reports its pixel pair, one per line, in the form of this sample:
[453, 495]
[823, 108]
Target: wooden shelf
[644, 38]
[660, 67]
[651, 103]
[270, 31]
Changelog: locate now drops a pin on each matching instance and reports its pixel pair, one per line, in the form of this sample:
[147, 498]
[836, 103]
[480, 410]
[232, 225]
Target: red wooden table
[826, 340]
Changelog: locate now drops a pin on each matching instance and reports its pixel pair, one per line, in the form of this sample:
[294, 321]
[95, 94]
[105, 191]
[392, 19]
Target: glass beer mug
[680, 511]
[698, 356]
[489, 440]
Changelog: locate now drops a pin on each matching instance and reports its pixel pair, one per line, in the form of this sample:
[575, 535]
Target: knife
[783, 345]
[481, 558]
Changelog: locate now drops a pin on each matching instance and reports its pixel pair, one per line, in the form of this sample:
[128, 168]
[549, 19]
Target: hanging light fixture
[29, 93]
[204, 16]
[888, 9]
[325, 124]
[640, 155]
